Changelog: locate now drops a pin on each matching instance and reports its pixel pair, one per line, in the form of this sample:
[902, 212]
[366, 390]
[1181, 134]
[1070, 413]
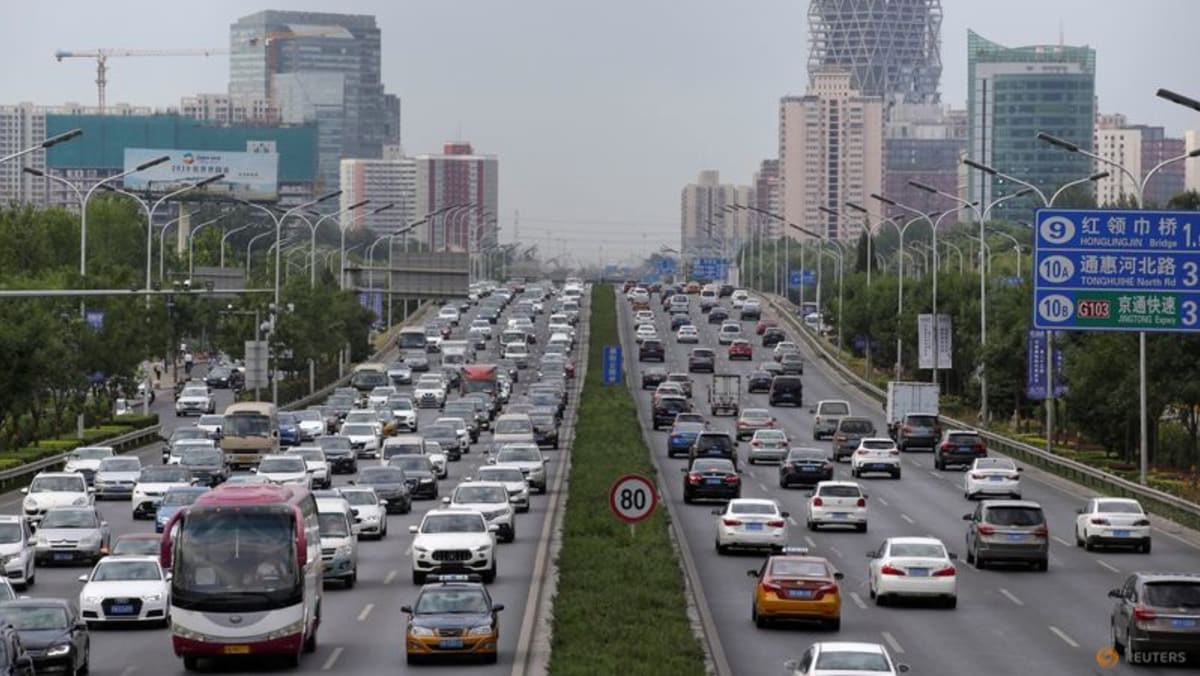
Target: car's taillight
[756, 444]
[907, 429]
[1097, 521]
[840, 437]
[1014, 477]
[824, 589]
[1143, 615]
[818, 502]
[862, 502]
[1041, 532]
[693, 478]
[888, 569]
[860, 452]
[731, 522]
[948, 571]
[776, 524]
[985, 529]
[772, 587]
[771, 423]
[1142, 522]
[732, 478]
[980, 449]
[977, 476]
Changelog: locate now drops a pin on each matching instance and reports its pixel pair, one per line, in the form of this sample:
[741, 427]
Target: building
[317, 67]
[466, 185]
[706, 226]
[1013, 93]
[767, 195]
[1138, 148]
[392, 180]
[227, 109]
[830, 152]
[1191, 139]
[923, 142]
[891, 48]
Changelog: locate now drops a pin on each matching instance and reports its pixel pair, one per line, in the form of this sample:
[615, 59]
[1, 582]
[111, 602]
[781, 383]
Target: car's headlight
[152, 598]
[481, 630]
[58, 650]
[80, 501]
[293, 628]
[420, 550]
[93, 599]
[42, 541]
[427, 480]
[344, 550]
[482, 549]
[5, 560]
[31, 503]
[420, 631]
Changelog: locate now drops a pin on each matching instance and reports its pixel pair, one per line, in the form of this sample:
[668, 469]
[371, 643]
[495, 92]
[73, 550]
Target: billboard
[251, 176]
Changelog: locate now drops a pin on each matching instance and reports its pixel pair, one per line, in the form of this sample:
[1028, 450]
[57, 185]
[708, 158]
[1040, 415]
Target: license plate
[1015, 537]
[1183, 623]
[996, 478]
[918, 572]
[799, 593]
[880, 466]
[754, 526]
[712, 482]
[1121, 533]
[236, 650]
[63, 556]
[840, 515]
[966, 449]
[121, 609]
[450, 643]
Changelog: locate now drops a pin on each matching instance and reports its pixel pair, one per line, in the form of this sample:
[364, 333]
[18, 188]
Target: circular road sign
[632, 498]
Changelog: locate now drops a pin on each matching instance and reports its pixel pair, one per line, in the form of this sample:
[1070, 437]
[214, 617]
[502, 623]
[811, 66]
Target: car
[545, 426]
[152, 483]
[363, 438]
[528, 457]
[791, 585]
[462, 431]
[430, 391]
[992, 477]
[826, 415]
[918, 567]
[653, 376]
[959, 447]
[401, 372]
[652, 349]
[792, 363]
[289, 429]
[223, 377]
[448, 439]
[875, 454]
[711, 479]
[175, 499]
[53, 633]
[644, 317]
[917, 430]
[208, 466]
[451, 541]
[1012, 531]
[211, 423]
[489, 498]
[168, 449]
[514, 482]
[136, 544]
[53, 489]
[714, 444]
[680, 320]
[370, 513]
[126, 589]
[785, 347]
[751, 523]
[339, 453]
[1156, 612]
[805, 466]
[391, 485]
[310, 422]
[684, 381]
[645, 332]
[849, 432]
[116, 477]
[682, 436]
[837, 503]
[751, 309]
[836, 659]
[741, 349]
[701, 359]
[758, 381]
[786, 389]
[728, 332]
[718, 315]
[339, 542]
[85, 460]
[467, 412]
[285, 470]
[512, 427]
[17, 551]
[71, 534]
[738, 298]
[378, 396]
[753, 419]
[449, 314]
[761, 326]
[666, 407]
[767, 445]
[318, 466]
[773, 336]
[455, 606]
[195, 401]
[1112, 522]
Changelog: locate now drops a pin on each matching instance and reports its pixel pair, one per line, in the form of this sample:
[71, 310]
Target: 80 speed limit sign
[632, 498]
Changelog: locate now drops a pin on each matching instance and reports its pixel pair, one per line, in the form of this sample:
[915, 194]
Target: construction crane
[102, 55]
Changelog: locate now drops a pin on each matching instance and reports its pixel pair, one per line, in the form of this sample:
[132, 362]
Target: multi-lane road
[362, 631]
[1008, 620]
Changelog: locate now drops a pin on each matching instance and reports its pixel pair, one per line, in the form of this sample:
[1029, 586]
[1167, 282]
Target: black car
[545, 426]
[52, 633]
[652, 350]
[714, 445]
[759, 381]
[341, 456]
[667, 407]
[223, 377]
[773, 336]
[792, 363]
[391, 485]
[786, 390]
[718, 315]
[419, 475]
[679, 319]
[701, 359]
[917, 430]
[447, 438]
[805, 466]
[206, 465]
[653, 377]
[712, 479]
[14, 659]
[725, 291]
[958, 447]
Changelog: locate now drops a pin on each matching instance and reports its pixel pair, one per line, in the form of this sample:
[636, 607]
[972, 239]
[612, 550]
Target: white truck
[724, 395]
[912, 413]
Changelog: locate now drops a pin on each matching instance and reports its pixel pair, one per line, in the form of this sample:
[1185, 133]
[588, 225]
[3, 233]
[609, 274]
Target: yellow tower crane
[102, 55]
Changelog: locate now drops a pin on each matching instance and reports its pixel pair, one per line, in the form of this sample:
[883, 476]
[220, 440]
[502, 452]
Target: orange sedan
[794, 586]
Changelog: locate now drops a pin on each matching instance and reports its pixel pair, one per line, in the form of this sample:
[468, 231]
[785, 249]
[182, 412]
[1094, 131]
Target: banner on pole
[926, 341]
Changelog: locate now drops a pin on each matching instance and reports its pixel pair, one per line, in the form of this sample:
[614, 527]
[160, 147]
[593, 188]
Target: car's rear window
[1173, 594]
[752, 508]
[786, 382]
[856, 426]
[835, 409]
[1015, 516]
[840, 492]
[963, 439]
[1119, 507]
[877, 445]
[806, 455]
[702, 353]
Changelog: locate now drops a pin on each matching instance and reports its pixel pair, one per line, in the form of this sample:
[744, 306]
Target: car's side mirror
[791, 665]
[717, 512]
[1115, 594]
[24, 491]
[104, 524]
[903, 668]
[446, 500]
[839, 575]
[967, 517]
[683, 469]
[383, 503]
[872, 555]
[1020, 469]
[812, 411]
[84, 578]
[406, 609]
[497, 607]
[785, 514]
[412, 529]
[1081, 510]
[953, 556]
[254, 470]
[752, 573]
[493, 528]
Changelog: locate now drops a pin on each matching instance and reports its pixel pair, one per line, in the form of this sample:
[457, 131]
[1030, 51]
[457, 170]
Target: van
[339, 540]
[404, 444]
[850, 430]
[411, 339]
[826, 415]
[786, 389]
[708, 298]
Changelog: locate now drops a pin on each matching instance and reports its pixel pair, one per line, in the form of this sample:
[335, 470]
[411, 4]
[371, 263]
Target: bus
[369, 375]
[245, 564]
[249, 430]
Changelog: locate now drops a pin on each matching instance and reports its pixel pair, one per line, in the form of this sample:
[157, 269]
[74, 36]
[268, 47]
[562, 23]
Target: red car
[741, 349]
[763, 325]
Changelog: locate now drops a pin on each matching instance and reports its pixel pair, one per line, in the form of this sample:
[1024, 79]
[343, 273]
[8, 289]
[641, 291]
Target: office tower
[464, 187]
[706, 227]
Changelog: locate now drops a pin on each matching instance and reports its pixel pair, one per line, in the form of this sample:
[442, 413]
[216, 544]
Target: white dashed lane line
[391, 576]
[1009, 595]
[1109, 566]
[882, 501]
[333, 657]
[907, 518]
[858, 600]
[1066, 639]
[893, 643]
[362, 617]
[1061, 541]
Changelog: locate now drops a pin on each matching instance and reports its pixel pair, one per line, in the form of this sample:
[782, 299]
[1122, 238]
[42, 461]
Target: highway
[1009, 621]
[362, 629]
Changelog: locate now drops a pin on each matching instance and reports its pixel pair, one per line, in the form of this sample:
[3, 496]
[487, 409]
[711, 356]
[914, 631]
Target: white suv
[17, 551]
[453, 540]
[54, 489]
[875, 454]
[489, 498]
[837, 503]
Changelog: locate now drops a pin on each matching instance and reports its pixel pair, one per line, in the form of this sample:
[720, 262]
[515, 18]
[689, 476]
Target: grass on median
[620, 606]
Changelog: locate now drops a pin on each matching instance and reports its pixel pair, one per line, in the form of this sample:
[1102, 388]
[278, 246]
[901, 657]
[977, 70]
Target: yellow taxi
[453, 616]
[794, 586]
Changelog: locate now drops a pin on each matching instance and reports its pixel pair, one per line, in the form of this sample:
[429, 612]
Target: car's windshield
[57, 484]
[139, 546]
[452, 601]
[708, 443]
[878, 445]
[333, 525]
[1015, 516]
[798, 456]
[69, 518]
[358, 430]
[246, 425]
[307, 455]
[1118, 507]
[770, 435]
[210, 420]
[856, 426]
[360, 497]
[201, 456]
[514, 426]
[921, 420]
[334, 443]
[519, 454]
[120, 465]
[110, 571]
[920, 549]
[712, 466]
[469, 494]
[308, 415]
[282, 464]
[286, 419]
[249, 552]
[10, 533]
[410, 463]
[34, 618]
[1173, 594]
[180, 498]
[852, 661]
[453, 523]
[194, 392]
[751, 508]
[381, 475]
[756, 415]
[501, 474]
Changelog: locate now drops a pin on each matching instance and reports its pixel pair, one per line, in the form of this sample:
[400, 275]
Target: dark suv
[1156, 612]
[653, 377]
[786, 389]
[958, 448]
[773, 336]
[849, 432]
[714, 445]
[652, 350]
[917, 430]
[667, 407]
[1008, 531]
[701, 359]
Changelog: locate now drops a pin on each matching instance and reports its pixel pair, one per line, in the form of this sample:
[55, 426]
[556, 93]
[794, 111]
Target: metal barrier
[1153, 500]
[120, 443]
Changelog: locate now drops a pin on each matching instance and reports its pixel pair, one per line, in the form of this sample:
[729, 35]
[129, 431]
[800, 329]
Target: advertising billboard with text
[251, 176]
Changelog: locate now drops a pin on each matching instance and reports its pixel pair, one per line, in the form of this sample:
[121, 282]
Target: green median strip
[621, 606]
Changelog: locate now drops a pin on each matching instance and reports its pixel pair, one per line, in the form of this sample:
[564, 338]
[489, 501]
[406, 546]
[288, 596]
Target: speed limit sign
[632, 498]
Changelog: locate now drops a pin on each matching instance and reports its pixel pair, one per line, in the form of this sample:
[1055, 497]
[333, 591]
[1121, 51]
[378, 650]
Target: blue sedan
[176, 499]
[289, 430]
[682, 436]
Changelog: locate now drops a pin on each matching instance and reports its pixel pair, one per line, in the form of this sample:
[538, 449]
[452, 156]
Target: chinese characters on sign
[925, 342]
[1035, 379]
[612, 364]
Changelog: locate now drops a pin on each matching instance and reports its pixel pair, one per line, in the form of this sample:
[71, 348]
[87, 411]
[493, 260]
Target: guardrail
[120, 443]
[1164, 504]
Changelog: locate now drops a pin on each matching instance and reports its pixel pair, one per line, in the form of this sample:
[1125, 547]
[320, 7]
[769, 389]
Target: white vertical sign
[945, 342]
[925, 342]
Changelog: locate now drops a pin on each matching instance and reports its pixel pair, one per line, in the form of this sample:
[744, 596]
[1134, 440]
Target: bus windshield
[236, 561]
[246, 425]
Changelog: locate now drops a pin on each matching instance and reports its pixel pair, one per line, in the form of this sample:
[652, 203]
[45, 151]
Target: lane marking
[1066, 639]
[764, 487]
[1108, 566]
[333, 657]
[882, 501]
[935, 475]
[812, 544]
[891, 641]
[907, 518]
[858, 600]
[362, 617]
[1061, 541]
[835, 552]
[1009, 595]
[128, 670]
[390, 576]
[792, 520]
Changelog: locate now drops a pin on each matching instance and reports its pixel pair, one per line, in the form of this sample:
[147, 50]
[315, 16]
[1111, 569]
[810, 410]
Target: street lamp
[231, 233]
[1079, 181]
[342, 234]
[149, 217]
[312, 234]
[391, 251]
[44, 145]
[192, 244]
[249, 246]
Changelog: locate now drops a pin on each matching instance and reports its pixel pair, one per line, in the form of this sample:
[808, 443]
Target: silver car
[370, 513]
[117, 477]
[71, 534]
[514, 482]
[527, 457]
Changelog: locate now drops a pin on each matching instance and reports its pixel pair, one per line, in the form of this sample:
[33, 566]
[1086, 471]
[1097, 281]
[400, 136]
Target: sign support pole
[1050, 391]
[1142, 407]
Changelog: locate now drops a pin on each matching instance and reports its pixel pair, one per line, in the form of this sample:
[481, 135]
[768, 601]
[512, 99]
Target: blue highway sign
[612, 364]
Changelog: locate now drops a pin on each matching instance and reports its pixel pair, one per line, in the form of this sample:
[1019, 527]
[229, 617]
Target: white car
[483, 327]
[379, 396]
[729, 332]
[400, 373]
[152, 484]
[643, 316]
[1112, 522]
[17, 551]
[645, 332]
[430, 391]
[561, 332]
[179, 447]
[364, 440]
[453, 530]
[285, 470]
[845, 659]
[751, 523]
[86, 460]
[992, 477]
[518, 352]
[489, 498]
[310, 422]
[126, 588]
[738, 298]
[563, 339]
[194, 401]
[784, 348]
[318, 465]
[339, 544]
[514, 482]
[438, 457]
[370, 513]
[116, 477]
[687, 334]
[54, 489]
[363, 417]
[528, 457]
[403, 412]
[211, 424]
[767, 446]
[837, 503]
[875, 454]
[913, 566]
[449, 314]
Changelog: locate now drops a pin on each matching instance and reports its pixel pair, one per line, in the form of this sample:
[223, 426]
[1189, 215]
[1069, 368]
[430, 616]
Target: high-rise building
[767, 195]
[317, 67]
[891, 48]
[466, 185]
[1139, 149]
[830, 152]
[1013, 93]
[923, 142]
[228, 109]
[1191, 167]
[384, 181]
[706, 227]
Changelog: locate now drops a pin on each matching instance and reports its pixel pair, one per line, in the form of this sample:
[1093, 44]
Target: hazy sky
[599, 111]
